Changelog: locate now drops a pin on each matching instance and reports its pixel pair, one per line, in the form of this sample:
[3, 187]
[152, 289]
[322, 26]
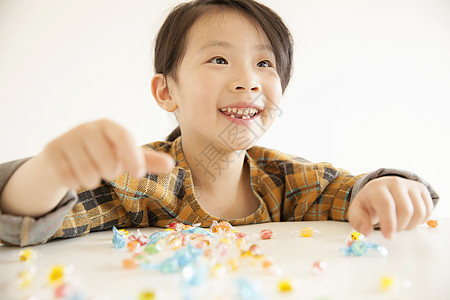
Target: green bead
[152, 249]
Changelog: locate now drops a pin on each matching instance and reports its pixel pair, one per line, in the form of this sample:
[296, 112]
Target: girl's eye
[219, 61]
[264, 64]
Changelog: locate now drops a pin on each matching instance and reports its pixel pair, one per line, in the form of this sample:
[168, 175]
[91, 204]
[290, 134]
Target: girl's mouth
[243, 113]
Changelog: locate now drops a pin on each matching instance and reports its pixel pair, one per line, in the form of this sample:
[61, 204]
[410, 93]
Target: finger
[359, 217]
[428, 201]
[61, 168]
[420, 210]
[384, 207]
[85, 170]
[123, 141]
[158, 162]
[403, 205]
[102, 152]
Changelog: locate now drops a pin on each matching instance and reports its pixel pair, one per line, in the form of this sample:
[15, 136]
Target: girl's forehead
[230, 25]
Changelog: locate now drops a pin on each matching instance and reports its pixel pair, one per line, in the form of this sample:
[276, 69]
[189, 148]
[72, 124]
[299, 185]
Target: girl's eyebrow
[225, 44]
[216, 43]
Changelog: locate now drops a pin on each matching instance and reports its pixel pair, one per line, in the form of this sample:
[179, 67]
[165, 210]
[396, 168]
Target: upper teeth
[240, 111]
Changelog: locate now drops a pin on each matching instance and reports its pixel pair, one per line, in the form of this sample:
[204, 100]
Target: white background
[370, 89]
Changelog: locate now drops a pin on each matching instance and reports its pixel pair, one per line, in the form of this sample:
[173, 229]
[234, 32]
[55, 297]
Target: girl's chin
[240, 144]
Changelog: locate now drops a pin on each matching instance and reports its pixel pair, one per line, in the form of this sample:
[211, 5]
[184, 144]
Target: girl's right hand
[99, 150]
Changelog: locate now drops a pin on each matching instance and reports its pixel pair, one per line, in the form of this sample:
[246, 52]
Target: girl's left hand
[394, 202]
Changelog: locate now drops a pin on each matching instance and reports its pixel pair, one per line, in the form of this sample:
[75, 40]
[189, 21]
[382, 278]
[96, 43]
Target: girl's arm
[78, 159]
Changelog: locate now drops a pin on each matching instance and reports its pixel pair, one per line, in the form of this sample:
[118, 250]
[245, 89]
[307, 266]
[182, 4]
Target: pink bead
[319, 265]
[240, 235]
[266, 234]
[64, 290]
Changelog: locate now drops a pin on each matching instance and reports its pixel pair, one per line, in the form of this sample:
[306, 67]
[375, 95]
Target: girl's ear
[161, 93]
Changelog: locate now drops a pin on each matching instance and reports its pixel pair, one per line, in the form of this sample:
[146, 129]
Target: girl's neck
[213, 168]
[221, 181]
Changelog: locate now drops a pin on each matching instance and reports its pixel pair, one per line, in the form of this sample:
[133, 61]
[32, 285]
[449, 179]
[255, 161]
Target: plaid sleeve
[336, 191]
[95, 210]
[316, 191]
[294, 189]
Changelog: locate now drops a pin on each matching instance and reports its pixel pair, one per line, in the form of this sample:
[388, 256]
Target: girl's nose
[245, 82]
[250, 87]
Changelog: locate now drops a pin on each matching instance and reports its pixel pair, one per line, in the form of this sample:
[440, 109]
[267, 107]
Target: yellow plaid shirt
[288, 188]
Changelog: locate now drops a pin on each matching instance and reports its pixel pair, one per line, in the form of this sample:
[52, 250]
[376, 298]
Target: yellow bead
[356, 236]
[26, 255]
[56, 275]
[123, 232]
[219, 270]
[25, 279]
[175, 243]
[234, 264]
[147, 295]
[285, 285]
[225, 241]
[246, 254]
[386, 282]
[306, 231]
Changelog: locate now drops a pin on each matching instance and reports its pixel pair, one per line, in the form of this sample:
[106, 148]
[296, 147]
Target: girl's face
[226, 89]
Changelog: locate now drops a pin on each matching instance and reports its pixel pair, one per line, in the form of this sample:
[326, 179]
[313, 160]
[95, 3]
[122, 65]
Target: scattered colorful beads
[266, 234]
[197, 252]
[433, 223]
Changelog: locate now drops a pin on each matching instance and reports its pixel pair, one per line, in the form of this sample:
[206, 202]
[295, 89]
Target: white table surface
[418, 261]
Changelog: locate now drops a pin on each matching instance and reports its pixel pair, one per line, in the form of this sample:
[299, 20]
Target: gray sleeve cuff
[393, 172]
[24, 231]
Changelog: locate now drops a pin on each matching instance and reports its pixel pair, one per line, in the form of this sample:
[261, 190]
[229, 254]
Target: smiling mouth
[240, 112]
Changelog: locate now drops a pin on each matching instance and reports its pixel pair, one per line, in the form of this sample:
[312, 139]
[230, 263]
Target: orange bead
[234, 264]
[132, 245]
[129, 264]
[225, 226]
[433, 223]
[255, 250]
[215, 229]
[267, 264]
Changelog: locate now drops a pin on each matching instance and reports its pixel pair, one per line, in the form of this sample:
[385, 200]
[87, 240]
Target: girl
[221, 66]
